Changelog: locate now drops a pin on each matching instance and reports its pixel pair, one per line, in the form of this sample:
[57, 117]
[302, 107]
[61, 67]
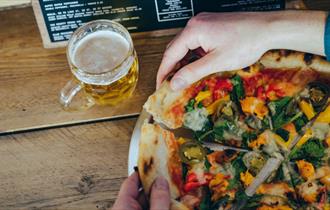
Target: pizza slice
[200, 177]
[310, 164]
[229, 108]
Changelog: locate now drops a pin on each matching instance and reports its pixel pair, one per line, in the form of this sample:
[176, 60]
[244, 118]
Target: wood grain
[78, 167]
[10, 4]
[31, 77]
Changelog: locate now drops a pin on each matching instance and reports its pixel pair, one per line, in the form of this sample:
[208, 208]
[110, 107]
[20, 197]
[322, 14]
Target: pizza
[270, 124]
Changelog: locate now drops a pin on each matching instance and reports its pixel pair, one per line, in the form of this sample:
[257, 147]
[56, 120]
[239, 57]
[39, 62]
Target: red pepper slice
[191, 186]
[193, 183]
[261, 93]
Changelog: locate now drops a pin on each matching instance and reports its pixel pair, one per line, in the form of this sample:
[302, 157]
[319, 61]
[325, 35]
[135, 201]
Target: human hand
[130, 199]
[235, 40]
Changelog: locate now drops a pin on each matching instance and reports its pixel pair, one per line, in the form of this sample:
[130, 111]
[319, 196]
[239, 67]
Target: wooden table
[51, 159]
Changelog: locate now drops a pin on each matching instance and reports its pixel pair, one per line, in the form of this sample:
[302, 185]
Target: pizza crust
[158, 155]
[161, 102]
[286, 59]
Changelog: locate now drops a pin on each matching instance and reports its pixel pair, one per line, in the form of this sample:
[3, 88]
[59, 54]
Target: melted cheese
[196, 119]
[306, 169]
[308, 191]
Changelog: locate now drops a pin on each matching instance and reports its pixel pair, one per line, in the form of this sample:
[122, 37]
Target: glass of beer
[104, 65]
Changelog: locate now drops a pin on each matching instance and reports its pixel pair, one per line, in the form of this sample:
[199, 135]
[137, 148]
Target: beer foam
[100, 52]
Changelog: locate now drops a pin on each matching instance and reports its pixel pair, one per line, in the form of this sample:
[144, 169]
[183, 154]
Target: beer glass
[104, 65]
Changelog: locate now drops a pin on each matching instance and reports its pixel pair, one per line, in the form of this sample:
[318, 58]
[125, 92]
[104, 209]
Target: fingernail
[161, 183]
[178, 84]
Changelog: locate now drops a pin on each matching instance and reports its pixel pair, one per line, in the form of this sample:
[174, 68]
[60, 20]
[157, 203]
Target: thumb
[160, 195]
[195, 71]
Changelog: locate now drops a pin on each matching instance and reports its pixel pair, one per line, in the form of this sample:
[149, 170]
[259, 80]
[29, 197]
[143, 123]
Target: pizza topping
[326, 180]
[261, 140]
[253, 105]
[191, 152]
[274, 92]
[254, 161]
[307, 109]
[308, 191]
[319, 93]
[219, 103]
[306, 169]
[196, 119]
[194, 181]
[265, 207]
[202, 95]
[276, 189]
[219, 185]
[320, 130]
[246, 178]
[324, 116]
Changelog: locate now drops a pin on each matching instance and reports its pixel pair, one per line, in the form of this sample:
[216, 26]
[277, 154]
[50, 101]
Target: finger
[130, 187]
[160, 195]
[128, 194]
[195, 71]
[175, 52]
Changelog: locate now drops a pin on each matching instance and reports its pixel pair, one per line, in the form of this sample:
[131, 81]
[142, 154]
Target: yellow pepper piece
[327, 141]
[202, 95]
[246, 178]
[307, 109]
[280, 141]
[306, 169]
[327, 206]
[292, 133]
[181, 140]
[254, 105]
[324, 116]
[261, 140]
[219, 186]
[305, 137]
[265, 207]
[213, 107]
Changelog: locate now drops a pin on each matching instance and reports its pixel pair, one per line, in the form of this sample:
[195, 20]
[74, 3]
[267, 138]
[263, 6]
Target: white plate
[134, 145]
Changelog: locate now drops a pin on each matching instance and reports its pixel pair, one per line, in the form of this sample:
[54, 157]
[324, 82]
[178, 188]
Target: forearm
[296, 30]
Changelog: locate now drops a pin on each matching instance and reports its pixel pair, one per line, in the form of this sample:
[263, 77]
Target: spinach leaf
[206, 202]
[277, 106]
[300, 122]
[248, 137]
[206, 132]
[312, 151]
[190, 106]
[238, 92]
[283, 119]
[238, 88]
[207, 164]
[239, 166]
[253, 202]
[221, 202]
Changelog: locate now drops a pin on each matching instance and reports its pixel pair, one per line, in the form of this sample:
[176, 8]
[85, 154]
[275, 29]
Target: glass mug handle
[72, 97]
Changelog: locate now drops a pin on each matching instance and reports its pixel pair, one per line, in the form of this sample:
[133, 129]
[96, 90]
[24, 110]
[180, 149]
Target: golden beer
[104, 64]
[117, 91]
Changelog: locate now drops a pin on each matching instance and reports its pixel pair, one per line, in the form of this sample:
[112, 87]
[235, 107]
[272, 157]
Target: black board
[59, 18]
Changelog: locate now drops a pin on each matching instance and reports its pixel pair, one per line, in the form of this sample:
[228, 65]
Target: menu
[57, 19]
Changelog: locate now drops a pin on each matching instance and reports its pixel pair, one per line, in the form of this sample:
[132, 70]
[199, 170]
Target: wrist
[296, 30]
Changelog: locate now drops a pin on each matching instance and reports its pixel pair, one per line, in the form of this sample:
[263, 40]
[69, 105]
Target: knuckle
[198, 19]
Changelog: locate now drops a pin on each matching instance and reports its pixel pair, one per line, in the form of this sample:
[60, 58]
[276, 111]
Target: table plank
[77, 167]
[10, 4]
[31, 77]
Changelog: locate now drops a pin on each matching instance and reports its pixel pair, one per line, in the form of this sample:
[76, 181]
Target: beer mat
[57, 19]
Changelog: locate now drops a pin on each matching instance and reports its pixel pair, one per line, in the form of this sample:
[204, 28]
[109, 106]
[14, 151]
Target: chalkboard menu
[57, 19]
